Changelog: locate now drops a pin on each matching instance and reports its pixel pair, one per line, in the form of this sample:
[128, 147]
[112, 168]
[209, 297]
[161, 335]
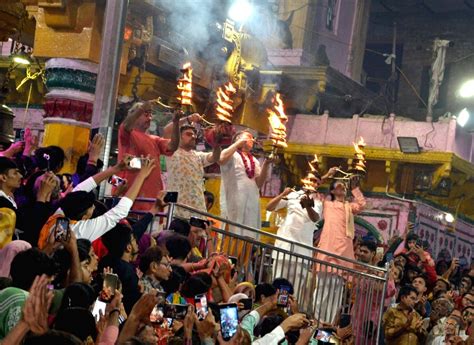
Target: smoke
[192, 23]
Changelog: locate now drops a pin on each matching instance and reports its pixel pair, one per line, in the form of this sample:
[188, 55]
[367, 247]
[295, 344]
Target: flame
[224, 108]
[277, 119]
[185, 84]
[313, 165]
[359, 146]
[278, 105]
[359, 160]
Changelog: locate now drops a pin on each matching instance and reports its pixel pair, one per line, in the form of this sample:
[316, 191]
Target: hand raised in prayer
[35, 310]
[96, 146]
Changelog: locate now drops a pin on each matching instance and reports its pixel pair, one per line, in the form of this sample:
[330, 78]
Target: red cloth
[137, 144]
[99, 248]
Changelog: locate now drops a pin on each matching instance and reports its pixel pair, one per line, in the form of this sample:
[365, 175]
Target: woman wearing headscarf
[7, 254]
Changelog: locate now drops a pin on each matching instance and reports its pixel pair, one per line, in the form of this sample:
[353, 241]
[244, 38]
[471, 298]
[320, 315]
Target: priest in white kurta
[241, 180]
[302, 212]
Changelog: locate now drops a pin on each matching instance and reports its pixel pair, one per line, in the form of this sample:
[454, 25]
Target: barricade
[334, 291]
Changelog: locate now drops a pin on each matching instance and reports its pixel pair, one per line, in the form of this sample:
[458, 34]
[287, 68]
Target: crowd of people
[77, 270]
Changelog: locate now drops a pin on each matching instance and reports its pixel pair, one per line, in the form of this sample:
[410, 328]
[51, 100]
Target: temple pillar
[68, 107]
[70, 34]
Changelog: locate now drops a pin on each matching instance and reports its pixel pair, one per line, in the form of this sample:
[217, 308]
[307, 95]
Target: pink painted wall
[388, 216]
[378, 131]
[338, 41]
[459, 243]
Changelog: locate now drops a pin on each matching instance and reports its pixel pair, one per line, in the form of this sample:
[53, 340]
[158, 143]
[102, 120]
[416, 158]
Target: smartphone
[247, 302]
[97, 309]
[108, 287]
[61, 230]
[116, 181]
[229, 320]
[157, 314]
[233, 260]
[171, 197]
[345, 320]
[283, 296]
[322, 335]
[175, 311]
[198, 222]
[135, 163]
[200, 302]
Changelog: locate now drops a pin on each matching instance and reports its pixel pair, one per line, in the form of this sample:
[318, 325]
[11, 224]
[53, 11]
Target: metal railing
[325, 288]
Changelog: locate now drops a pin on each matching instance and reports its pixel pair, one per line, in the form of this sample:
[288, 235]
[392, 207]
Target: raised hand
[96, 146]
[295, 322]
[147, 167]
[48, 183]
[124, 164]
[35, 310]
[195, 118]
[142, 309]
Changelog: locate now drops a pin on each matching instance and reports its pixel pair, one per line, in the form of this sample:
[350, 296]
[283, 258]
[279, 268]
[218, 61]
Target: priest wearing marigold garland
[242, 177]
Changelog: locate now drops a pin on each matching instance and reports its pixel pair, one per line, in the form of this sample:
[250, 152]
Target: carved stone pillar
[68, 107]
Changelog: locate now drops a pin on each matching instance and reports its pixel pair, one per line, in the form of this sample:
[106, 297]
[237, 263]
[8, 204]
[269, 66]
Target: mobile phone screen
[197, 222]
[233, 260]
[61, 230]
[108, 287]
[200, 302]
[99, 307]
[229, 320]
[157, 314]
[171, 197]
[247, 302]
[175, 311]
[135, 163]
[322, 335]
[116, 181]
[283, 295]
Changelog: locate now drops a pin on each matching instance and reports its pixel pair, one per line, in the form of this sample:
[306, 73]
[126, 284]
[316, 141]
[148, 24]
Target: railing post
[170, 215]
[384, 291]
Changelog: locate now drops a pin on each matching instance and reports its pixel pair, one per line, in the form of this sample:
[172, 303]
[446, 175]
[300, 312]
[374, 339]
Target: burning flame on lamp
[224, 108]
[185, 84]
[277, 119]
[358, 163]
[311, 180]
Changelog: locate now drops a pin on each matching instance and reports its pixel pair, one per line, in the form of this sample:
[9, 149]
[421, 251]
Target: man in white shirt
[78, 205]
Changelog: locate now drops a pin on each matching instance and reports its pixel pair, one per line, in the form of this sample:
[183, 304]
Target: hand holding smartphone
[198, 222]
[98, 309]
[108, 288]
[283, 296]
[135, 163]
[229, 320]
[61, 230]
[200, 302]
